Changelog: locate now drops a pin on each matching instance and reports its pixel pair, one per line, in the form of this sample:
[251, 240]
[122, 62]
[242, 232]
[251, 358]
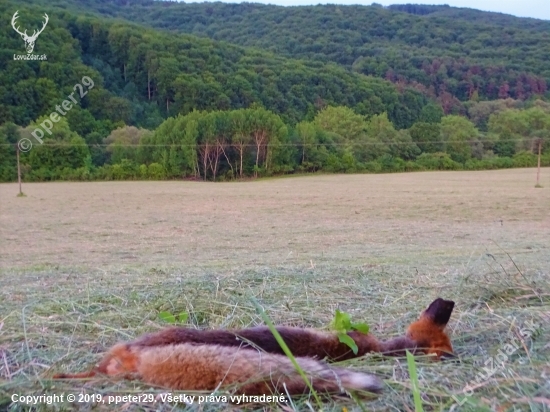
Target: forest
[171, 100]
[451, 54]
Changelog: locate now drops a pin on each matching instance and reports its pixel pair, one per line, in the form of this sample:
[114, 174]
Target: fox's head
[429, 331]
[120, 361]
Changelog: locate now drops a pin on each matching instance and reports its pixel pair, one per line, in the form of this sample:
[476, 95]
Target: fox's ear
[439, 311]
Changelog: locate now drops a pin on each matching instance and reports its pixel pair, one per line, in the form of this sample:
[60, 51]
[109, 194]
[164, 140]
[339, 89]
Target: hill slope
[143, 76]
[444, 52]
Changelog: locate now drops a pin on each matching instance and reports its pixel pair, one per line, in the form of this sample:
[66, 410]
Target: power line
[226, 144]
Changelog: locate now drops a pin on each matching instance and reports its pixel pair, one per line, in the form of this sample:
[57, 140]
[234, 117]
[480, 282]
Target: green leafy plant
[173, 319]
[342, 324]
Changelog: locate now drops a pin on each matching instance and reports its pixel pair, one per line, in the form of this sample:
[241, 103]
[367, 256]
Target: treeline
[472, 15]
[450, 54]
[236, 144]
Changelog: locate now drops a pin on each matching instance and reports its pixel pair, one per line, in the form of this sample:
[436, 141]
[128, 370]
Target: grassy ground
[87, 264]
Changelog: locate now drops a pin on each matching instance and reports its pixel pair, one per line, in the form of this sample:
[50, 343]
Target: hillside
[447, 53]
[143, 76]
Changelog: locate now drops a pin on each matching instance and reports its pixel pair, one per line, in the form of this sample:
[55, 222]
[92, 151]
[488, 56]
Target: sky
[539, 9]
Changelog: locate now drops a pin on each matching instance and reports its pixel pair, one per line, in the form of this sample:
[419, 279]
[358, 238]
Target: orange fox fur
[252, 360]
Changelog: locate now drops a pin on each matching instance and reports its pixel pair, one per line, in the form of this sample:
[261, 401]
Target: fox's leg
[120, 361]
[81, 375]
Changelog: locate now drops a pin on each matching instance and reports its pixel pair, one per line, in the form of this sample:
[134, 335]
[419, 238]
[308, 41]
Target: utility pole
[538, 163]
[21, 194]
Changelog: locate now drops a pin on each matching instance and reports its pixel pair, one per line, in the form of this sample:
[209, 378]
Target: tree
[479, 112]
[427, 137]
[459, 135]
[306, 135]
[189, 146]
[9, 137]
[241, 136]
[516, 128]
[167, 71]
[122, 143]
[62, 150]
[266, 128]
[390, 141]
[342, 121]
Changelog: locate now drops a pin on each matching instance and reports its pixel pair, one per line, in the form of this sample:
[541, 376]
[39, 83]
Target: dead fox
[252, 361]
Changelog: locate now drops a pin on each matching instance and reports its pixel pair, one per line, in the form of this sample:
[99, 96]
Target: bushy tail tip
[361, 381]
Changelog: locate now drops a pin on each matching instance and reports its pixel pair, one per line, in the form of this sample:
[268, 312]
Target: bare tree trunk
[259, 138]
[222, 146]
[267, 156]
[241, 167]
[214, 163]
[240, 148]
[257, 159]
[205, 155]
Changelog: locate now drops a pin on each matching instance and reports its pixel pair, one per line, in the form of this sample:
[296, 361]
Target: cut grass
[69, 331]
[83, 267]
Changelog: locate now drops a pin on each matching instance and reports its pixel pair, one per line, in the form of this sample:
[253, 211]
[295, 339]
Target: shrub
[143, 173]
[156, 171]
[103, 173]
[437, 161]
[525, 159]
[411, 166]
[373, 167]
[125, 170]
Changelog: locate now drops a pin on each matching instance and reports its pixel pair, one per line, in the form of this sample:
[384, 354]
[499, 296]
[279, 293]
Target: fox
[253, 363]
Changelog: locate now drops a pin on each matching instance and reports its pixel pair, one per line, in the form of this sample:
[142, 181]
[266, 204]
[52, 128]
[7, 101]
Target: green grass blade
[414, 381]
[285, 349]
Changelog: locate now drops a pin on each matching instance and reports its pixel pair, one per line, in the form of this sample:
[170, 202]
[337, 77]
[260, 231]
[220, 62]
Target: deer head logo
[29, 40]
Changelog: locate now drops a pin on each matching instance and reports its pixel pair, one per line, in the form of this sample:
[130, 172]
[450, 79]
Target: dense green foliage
[447, 53]
[222, 145]
[178, 106]
[143, 76]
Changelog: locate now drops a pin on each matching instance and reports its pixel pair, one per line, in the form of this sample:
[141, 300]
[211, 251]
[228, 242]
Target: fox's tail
[206, 367]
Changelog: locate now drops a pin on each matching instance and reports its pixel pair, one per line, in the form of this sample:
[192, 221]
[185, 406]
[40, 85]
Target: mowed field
[84, 265]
